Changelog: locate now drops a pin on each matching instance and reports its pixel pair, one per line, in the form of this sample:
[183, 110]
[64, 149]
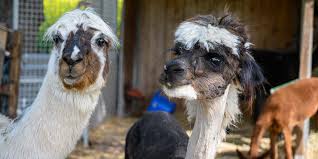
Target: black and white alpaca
[212, 66]
[77, 71]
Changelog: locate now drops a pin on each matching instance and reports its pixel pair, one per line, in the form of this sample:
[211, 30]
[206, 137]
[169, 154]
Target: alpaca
[77, 71]
[279, 67]
[282, 113]
[157, 135]
[212, 66]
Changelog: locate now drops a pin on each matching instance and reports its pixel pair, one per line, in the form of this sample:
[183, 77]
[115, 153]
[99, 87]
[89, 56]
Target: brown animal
[285, 109]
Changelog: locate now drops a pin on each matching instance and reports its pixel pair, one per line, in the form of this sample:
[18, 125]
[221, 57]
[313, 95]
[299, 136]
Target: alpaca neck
[52, 125]
[211, 119]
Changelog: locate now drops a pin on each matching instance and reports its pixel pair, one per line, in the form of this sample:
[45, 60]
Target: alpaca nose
[71, 60]
[174, 67]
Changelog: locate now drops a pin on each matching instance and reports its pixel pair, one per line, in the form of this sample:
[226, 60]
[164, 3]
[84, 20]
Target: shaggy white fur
[54, 122]
[190, 33]
[299, 156]
[232, 110]
[211, 119]
[4, 121]
[186, 91]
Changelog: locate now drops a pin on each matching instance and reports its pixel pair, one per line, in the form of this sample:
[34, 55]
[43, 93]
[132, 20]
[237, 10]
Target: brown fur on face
[210, 87]
[212, 83]
[86, 71]
[90, 68]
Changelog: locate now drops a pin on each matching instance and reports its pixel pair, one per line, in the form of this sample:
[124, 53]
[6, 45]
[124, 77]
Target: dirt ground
[107, 141]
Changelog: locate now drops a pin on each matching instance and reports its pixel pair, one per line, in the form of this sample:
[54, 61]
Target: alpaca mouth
[174, 84]
[71, 80]
[170, 84]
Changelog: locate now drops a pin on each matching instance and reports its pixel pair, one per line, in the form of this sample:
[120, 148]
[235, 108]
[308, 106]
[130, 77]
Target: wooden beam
[306, 42]
[14, 73]
[305, 69]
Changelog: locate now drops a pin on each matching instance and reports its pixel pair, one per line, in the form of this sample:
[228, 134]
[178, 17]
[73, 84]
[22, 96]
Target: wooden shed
[149, 27]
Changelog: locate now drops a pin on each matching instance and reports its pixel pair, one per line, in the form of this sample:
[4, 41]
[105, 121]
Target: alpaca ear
[250, 77]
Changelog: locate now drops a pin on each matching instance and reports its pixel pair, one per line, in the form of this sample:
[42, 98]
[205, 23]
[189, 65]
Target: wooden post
[305, 62]
[14, 73]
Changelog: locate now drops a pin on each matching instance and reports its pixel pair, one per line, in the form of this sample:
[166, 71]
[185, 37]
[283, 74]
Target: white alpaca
[77, 69]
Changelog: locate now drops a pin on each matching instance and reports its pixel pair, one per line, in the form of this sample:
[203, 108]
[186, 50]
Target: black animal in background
[157, 135]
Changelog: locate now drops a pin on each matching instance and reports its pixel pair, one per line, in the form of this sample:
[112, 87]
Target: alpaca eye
[101, 42]
[177, 52]
[57, 39]
[214, 59]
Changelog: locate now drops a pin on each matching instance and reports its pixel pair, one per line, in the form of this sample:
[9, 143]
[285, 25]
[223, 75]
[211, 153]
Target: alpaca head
[81, 43]
[211, 53]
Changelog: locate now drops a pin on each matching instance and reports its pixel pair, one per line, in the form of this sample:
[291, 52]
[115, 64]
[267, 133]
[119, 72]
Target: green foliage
[120, 4]
[52, 10]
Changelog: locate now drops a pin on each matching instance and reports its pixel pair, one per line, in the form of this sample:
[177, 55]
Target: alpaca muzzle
[71, 72]
[70, 79]
[70, 60]
[174, 74]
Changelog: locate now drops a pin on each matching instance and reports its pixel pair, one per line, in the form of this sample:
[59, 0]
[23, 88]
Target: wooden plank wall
[15, 50]
[271, 24]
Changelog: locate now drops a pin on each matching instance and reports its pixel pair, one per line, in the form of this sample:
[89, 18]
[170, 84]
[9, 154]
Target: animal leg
[299, 149]
[288, 142]
[256, 137]
[274, 148]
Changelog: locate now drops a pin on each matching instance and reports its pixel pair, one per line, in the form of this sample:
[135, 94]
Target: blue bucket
[161, 103]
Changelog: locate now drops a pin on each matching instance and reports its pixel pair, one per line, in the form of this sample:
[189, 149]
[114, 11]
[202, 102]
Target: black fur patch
[157, 135]
[250, 77]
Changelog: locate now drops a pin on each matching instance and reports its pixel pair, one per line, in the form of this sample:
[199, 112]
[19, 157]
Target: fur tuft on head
[87, 18]
[211, 32]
